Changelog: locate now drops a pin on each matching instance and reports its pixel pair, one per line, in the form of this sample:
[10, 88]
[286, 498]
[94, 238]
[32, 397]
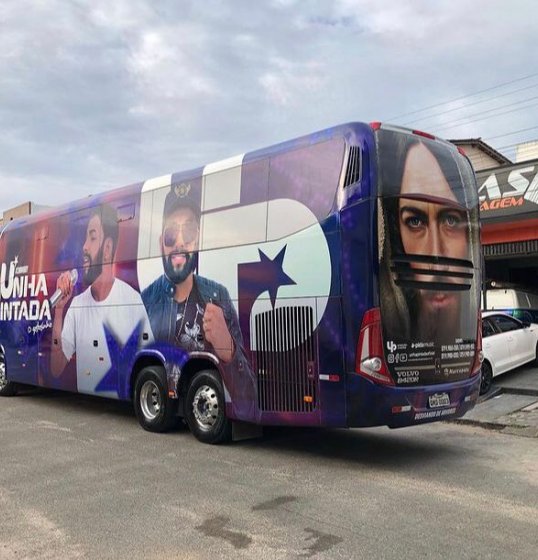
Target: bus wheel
[205, 408]
[155, 411]
[7, 388]
[487, 378]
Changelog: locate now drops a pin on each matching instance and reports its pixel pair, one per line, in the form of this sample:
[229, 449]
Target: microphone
[57, 295]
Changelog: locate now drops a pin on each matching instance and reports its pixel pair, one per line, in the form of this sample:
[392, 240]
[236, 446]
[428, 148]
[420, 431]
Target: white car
[507, 343]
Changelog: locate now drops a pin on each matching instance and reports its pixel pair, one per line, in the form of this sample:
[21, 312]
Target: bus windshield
[429, 257]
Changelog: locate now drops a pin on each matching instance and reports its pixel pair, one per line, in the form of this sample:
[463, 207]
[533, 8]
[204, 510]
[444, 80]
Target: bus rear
[418, 350]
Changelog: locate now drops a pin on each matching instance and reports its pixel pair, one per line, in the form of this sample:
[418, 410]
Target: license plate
[439, 399]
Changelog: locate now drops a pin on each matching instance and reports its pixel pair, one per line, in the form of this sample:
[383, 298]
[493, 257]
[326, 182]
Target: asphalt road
[80, 479]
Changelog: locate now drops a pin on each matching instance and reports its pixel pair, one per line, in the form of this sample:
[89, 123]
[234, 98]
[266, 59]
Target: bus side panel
[35, 252]
[21, 294]
[359, 270]
[330, 339]
[268, 245]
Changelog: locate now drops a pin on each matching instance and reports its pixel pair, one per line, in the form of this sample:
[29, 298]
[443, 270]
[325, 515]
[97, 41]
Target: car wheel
[487, 378]
[155, 410]
[536, 356]
[205, 408]
[7, 388]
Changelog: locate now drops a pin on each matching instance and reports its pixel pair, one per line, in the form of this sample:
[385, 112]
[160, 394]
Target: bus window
[74, 228]
[306, 176]
[144, 225]
[226, 222]
[429, 258]
[124, 213]
[221, 187]
[156, 219]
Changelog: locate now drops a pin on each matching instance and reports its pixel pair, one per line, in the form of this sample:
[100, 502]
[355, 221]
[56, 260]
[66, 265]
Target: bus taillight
[424, 134]
[479, 355]
[370, 362]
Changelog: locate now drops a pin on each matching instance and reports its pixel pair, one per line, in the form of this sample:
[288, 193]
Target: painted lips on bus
[330, 280]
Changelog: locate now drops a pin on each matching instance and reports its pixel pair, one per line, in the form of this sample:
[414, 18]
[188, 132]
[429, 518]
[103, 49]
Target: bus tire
[205, 408]
[7, 388]
[487, 378]
[155, 410]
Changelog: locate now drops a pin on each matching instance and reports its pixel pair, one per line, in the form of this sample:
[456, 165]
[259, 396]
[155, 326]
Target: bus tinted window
[429, 256]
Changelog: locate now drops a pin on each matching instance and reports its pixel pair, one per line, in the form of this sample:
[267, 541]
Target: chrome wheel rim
[205, 407]
[3, 378]
[150, 400]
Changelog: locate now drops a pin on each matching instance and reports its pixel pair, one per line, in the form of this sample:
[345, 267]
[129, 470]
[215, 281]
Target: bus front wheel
[205, 408]
[155, 410]
[7, 388]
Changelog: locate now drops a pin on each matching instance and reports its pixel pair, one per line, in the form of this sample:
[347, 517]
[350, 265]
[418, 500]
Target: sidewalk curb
[502, 424]
[515, 391]
[500, 427]
[497, 426]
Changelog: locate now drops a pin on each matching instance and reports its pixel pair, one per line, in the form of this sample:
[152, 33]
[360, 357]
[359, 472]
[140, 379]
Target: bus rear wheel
[205, 410]
[7, 388]
[155, 410]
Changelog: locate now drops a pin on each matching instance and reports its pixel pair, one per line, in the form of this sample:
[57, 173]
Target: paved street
[80, 479]
[511, 406]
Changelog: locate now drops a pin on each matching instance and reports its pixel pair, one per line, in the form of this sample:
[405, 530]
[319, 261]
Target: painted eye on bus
[413, 219]
[189, 231]
[453, 219]
[414, 222]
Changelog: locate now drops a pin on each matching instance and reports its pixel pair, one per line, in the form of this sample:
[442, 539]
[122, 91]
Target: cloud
[98, 93]
[286, 82]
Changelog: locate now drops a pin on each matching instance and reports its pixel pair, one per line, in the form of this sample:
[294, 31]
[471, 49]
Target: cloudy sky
[103, 93]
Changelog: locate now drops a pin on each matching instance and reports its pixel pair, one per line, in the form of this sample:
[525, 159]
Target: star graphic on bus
[265, 275]
[255, 278]
[119, 357]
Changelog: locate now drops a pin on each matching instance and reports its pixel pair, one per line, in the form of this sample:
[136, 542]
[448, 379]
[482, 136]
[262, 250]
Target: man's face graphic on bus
[92, 251]
[428, 228]
[179, 244]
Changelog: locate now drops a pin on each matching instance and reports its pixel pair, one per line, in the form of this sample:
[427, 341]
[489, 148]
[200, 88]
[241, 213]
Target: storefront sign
[508, 191]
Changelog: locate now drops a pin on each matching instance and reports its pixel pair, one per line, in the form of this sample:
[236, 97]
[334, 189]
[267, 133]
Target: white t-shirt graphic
[84, 322]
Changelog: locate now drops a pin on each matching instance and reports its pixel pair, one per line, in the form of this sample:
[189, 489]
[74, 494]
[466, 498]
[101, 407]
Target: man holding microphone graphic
[107, 302]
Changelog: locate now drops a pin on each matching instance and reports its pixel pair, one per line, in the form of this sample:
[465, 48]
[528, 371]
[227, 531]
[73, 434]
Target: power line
[468, 105]
[511, 133]
[464, 96]
[482, 118]
[489, 111]
[521, 145]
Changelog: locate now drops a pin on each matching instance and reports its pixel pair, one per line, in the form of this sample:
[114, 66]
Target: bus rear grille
[286, 360]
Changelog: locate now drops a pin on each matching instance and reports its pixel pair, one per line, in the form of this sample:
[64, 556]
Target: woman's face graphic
[433, 229]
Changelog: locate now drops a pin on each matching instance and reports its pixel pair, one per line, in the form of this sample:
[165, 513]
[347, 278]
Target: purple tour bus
[331, 280]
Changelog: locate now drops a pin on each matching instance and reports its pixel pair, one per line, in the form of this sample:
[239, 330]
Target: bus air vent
[285, 360]
[430, 272]
[353, 168]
